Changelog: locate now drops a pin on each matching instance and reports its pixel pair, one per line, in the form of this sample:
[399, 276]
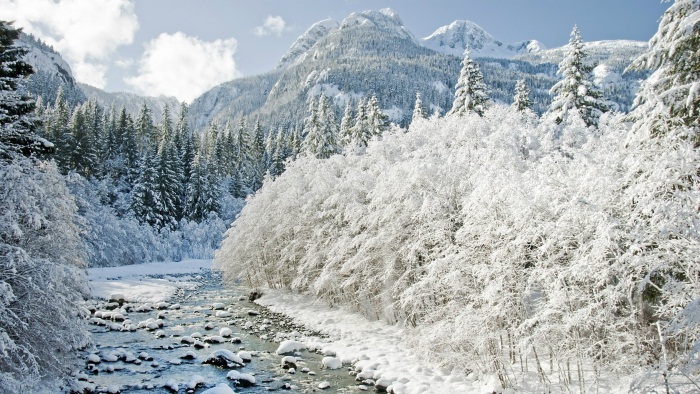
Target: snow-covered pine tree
[345, 134]
[168, 185]
[521, 99]
[202, 195]
[83, 156]
[257, 154]
[660, 196]
[165, 129]
[145, 199]
[295, 141]
[60, 133]
[17, 120]
[145, 130]
[418, 110]
[278, 154]
[575, 92]
[41, 253]
[470, 91]
[377, 120]
[361, 132]
[671, 96]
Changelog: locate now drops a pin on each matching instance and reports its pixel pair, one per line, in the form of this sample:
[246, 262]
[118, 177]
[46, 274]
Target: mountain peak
[460, 35]
[385, 20]
[297, 52]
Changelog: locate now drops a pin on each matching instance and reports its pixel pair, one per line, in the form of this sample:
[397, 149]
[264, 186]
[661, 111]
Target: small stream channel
[254, 325]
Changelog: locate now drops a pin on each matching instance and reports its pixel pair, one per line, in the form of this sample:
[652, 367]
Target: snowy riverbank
[149, 282]
[383, 349]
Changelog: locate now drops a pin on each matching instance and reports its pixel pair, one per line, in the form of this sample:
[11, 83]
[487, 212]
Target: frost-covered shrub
[499, 239]
[42, 279]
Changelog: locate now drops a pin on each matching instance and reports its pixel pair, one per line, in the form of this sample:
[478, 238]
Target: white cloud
[272, 25]
[183, 66]
[90, 73]
[85, 32]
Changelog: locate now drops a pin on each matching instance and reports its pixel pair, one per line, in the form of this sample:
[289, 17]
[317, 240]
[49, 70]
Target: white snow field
[133, 283]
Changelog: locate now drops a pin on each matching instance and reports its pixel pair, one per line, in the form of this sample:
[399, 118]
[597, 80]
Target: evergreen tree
[17, 121]
[295, 142]
[41, 253]
[145, 199]
[576, 92]
[470, 93]
[84, 155]
[168, 188]
[521, 99]
[165, 129]
[346, 125]
[60, 133]
[361, 132]
[278, 154]
[672, 95]
[145, 130]
[203, 196]
[321, 131]
[418, 110]
[378, 122]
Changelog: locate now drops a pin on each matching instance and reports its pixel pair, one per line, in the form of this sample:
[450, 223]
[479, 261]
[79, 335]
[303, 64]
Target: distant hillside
[131, 102]
[51, 73]
[372, 53]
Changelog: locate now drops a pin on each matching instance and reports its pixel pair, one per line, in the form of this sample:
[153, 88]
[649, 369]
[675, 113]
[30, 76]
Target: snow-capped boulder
[224, 358]
[221, 388]
[245, 356]
[289, 346]
[288, 362]
[332, 363]
[241, 379]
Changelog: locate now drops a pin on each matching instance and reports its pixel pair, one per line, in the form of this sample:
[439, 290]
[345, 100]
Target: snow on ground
[382, 347]
[149, 282]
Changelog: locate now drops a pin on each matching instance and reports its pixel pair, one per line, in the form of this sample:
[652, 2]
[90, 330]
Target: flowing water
[151, 376]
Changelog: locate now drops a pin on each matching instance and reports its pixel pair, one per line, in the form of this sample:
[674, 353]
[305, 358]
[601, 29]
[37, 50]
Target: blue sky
[184, 47]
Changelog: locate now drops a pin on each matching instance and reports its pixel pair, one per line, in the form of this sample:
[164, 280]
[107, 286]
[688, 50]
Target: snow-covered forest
[549, 238]
[564, 246]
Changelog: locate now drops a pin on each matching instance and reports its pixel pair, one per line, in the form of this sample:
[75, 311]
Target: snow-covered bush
[42, 279]
[498, 240]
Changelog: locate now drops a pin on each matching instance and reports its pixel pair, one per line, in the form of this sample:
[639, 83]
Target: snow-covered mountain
[368, 53]
[460, 35]
[372, 53]
[300, 49]
[131, 102]
[51, 72]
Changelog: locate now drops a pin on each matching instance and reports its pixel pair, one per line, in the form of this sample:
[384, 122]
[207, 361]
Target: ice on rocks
[288, 362]
[224, 358]
[245, 356]
[116, 297]
[332, 363]
[215, 339]
[290, 346]
[195, 381]
[221, 388]
[242, 379]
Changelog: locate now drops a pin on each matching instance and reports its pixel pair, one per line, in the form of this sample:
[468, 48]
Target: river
[255, 326]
